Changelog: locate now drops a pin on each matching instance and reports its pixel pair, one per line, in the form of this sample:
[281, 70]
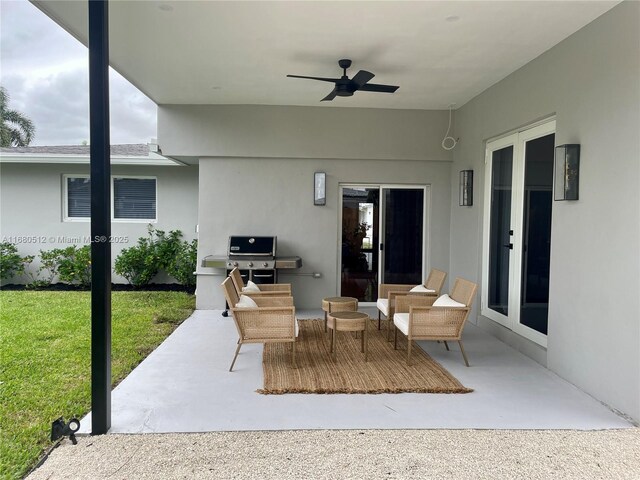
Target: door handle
[508, 245]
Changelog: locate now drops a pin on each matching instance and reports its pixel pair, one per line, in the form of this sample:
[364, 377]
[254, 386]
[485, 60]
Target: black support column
[100, 217]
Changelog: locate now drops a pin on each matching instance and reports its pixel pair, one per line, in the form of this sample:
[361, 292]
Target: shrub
[50, 260]
[184, 263]
[138, 264]
[168, 246]
[74, 265]
[11, 263]
[35, 282]
[159, 250]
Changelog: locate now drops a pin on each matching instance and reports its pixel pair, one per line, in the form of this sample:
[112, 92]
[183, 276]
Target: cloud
[133, 114]
[45, 71]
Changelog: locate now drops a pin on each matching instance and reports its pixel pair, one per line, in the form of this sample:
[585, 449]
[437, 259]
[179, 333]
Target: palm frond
[15, 129]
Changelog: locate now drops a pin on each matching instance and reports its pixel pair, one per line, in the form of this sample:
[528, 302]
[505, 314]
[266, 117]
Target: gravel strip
[331, 454]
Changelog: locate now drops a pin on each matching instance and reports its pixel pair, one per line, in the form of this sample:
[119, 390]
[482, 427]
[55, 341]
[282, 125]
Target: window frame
[518, 139]
[65, 199]
[113, 199]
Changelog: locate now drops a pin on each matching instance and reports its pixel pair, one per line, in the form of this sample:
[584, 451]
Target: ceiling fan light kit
[345, 87]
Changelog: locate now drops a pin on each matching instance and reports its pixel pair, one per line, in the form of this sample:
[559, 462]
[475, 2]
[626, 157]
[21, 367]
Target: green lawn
[45, 359]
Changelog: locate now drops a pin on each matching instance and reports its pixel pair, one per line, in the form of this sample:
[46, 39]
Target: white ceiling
[438, 52]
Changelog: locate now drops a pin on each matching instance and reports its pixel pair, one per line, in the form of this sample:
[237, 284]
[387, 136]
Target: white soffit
[218, 52]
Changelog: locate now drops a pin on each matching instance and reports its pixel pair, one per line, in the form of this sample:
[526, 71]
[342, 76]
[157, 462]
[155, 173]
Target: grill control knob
[250, 264]
[235, 264]
[265, 264]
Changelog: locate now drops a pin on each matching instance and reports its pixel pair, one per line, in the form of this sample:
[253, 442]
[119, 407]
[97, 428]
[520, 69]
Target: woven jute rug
[385, 372]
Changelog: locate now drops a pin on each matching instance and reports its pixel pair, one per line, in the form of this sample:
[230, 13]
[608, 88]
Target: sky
[46, 73]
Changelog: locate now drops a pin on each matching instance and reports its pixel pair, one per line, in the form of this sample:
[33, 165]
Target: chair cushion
[422, 289]
[446, 301]
[246, 302]
[251, 287]
[401, 320]
[383, 306]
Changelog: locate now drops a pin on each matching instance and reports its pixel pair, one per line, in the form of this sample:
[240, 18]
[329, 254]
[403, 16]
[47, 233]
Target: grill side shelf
[213, 261]
[288, 262]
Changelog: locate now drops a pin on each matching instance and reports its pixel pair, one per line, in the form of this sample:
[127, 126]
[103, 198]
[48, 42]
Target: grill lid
[252, 246]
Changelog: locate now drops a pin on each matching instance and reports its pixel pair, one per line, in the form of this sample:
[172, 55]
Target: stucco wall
[591, 82]
[31, 205]
[256, 177]
[280, 203]
[262, 131]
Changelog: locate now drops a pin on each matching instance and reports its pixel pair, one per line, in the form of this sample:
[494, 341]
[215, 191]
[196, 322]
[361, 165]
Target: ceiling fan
[346, 87]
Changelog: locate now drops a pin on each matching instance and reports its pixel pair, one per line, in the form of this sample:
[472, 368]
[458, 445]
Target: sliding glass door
[403, 233]
[517, 231]
[360, 236]
[383, 232]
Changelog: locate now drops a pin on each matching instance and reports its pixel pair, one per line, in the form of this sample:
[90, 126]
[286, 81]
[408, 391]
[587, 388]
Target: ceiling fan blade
[372, 87]
[361, 78]
[331, 96]
[322, 79]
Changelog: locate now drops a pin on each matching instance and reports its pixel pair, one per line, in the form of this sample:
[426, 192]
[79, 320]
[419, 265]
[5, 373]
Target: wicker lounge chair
[273, 321]
[419, 320]
[387, 293]
[266, 290]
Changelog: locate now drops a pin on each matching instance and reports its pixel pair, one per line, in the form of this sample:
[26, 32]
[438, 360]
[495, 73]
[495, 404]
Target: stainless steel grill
[255, 257]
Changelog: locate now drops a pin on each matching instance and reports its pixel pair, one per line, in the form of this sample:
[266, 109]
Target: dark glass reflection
[359, 273]
[500, 225]
[403, 239]
[536, 248]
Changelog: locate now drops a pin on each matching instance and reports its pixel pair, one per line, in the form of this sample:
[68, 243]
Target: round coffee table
[349, 322]
[338, 304]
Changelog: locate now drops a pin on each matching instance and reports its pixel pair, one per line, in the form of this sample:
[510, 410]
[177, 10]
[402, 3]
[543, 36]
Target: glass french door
[517, 230]
[383, 232]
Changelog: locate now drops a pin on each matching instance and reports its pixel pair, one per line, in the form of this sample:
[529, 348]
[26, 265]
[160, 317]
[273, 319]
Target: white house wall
[31, 204]
[591, 82]
[256, 177]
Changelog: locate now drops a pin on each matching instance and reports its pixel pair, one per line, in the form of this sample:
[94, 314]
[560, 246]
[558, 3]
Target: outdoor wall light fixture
[466, 188]
[566, 172]
[319, 188]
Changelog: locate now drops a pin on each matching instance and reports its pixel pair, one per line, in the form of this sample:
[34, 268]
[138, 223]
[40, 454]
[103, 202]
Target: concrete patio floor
[185, 386]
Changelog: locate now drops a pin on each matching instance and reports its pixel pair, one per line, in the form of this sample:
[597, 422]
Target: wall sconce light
[320, 188]
[566, 172]
[466, 188]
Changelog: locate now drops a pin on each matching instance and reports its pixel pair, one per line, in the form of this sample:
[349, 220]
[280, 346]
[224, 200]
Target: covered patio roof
[220, 52]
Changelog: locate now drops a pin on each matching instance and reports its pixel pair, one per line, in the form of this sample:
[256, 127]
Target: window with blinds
[78, 197]
[134, 198]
